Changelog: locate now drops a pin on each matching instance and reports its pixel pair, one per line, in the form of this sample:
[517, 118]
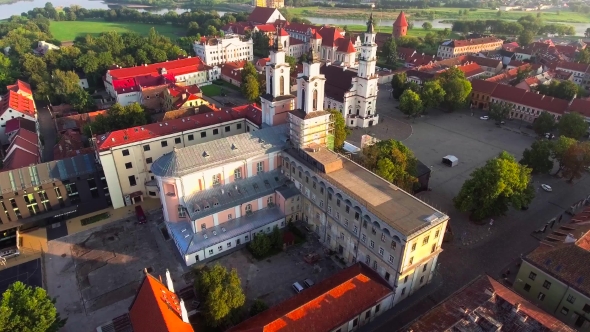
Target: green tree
[566, 90]
[432, 94]
[80, 100]
[257, 307]
[576, 160]
[251, 88]
[248, 70]
[410, 104]
[193, 29]
[572, 125]
[260, 245]
[426, 25]
[292, 62]
[64, 83]
[389, 51]
[559, 149]
[7, 73]
[492, 189]
[118, 117]
[457, 88]
[526, 37]
[538, 157]
[544, 123]
[341, 131]
[27, 309]
[393, 161]
[499, 112]
[222, 293]
[398, 84]
[276, 238]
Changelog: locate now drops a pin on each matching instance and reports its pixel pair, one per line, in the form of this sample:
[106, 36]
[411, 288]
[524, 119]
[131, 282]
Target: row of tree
[450, 89]
[526, 23]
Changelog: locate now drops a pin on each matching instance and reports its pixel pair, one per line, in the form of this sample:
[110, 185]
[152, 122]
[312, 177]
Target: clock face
[316, 83]
[282, 70]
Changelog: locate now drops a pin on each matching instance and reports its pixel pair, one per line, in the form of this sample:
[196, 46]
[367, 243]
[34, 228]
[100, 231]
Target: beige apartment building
[454, 47]
[556, 276]
[388, 229]
[127, 155]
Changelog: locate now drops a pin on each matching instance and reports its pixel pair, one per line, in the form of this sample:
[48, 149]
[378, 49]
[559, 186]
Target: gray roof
[58, 170]
[288, 191]
[190, 242]
[221, 151]
[223, 197]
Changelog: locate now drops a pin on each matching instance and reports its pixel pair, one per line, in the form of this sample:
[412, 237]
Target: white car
[547, 187]
[485, 117]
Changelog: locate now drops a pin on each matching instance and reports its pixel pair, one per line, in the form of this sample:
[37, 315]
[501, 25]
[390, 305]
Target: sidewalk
[33, 243]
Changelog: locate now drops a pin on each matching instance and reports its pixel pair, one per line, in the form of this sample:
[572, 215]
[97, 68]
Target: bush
[257, 307]
[260, 245]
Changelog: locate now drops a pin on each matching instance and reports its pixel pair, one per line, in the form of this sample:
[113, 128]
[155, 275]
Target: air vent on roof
[160, 125]
[223, 229]
[182, 120]
[186, 236]
[103, 137]
[205, 236]
[205, 154]
[214, 233]
[112, 139]
[166, 123]
[183, 230]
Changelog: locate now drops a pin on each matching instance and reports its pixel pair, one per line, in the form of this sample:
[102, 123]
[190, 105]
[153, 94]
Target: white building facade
[230, 48]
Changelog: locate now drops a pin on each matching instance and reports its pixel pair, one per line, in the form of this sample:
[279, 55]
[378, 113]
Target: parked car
[140, 215]
[308, 282]
[547, 187]
[485, 117]
[297, 287]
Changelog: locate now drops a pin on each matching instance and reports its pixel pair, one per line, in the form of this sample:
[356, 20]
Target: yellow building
[178, 97]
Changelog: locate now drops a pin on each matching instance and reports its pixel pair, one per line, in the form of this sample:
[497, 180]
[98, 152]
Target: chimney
[183, 312]
[169, 281]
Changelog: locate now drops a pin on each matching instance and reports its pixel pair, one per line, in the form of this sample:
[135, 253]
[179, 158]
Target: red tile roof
[70, 144]
[477, 300]
[482, 86]
[261, 15]
[137, 134]
[404, 52]
[266, 28]
[508, 93]
[301, 28]
[471, 70]
[20, 86]
[293, 41]
[580, 106]
[283, 33]
[330, 35]
[238, 27]
[573, 66]
[175, 67]
[485, 62]
[233, 70]
[550, 104]
[338, 81]
[325, 306]
[420, 59]
[401, 21]
[345, 45]
[17, 102]
[23, 150]
[567, 50]
[17, 123]
[20, 158]
[156, 309]
[76, 121]
[316, 35]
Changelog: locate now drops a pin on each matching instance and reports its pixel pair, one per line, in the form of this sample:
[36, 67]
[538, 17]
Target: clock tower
[367, 79]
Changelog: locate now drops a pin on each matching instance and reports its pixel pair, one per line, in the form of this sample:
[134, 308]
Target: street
[476, 249]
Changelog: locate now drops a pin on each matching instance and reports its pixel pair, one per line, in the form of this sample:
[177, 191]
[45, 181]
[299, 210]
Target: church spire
[370, 24]
[312, 55]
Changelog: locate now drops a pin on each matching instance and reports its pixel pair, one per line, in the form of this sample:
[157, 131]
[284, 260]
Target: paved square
[95, 274]
[270, 280]
[28, 273]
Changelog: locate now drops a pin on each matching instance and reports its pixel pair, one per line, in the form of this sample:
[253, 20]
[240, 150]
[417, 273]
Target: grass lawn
[69, 30]
[440, 13]
[211, 90]
[415, 32]
[93, 219]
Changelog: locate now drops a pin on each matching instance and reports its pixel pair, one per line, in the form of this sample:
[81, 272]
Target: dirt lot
[95, 274]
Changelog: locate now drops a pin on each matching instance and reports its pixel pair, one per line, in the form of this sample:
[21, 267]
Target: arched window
[285, 44]
[282, 85]
[270, 85]
[303, 100]
[248, 208]
[315, 99]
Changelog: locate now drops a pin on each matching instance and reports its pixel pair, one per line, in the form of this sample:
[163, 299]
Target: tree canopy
[576, 160]
[492, 189]
[432, 94]
[572, 125]
[499, 112]
[563, 90]
[341, 131]
[393, 161]
[389, 50]
[545, 123]
[457, 88]
[410, 104]
[28, 309]
[559, 149]
[221, 292]
[538, 157]
[118, 117]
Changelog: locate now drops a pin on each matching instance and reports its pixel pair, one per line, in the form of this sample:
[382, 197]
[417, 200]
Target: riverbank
[438, 13]
[415, 32]
[69, 30]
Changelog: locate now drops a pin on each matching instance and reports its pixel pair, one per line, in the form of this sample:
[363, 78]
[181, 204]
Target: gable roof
[175, 67]
[149, 131]
[156, 309]
[70, 144]
[346, 46]
[573, 66]
[338, 81]
[471, 70]
[581, 106]
[401, 21]
[482, 86]
[324, 306]
[508, 93]
[266, 27]
[490, 304]
[17, 102]
[473, 41]
[20, 86]
[330, 35]
[486, 62]
[261, 14]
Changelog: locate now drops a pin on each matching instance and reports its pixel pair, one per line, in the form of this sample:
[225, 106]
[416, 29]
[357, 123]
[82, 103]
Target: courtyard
[95, 274]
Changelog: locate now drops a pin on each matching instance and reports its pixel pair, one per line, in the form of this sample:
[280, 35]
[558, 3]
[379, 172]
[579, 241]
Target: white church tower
[310, 124]
[367, 80]
[277, 102]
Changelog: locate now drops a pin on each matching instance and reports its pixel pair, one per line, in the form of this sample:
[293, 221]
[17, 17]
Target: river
[7, 10]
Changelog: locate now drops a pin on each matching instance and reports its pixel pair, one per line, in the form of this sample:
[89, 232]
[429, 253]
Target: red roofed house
[481, 93]
[332, 46]
[232, 72]
[400, 26]
[456, 47]
[13, 126]
[486, 305]
[179, 97]
[128, 185]
[581, 72]
[70, 144]
[156, 308]
[127, 84]
[349, 299]
[219, 50]
[472, 70]
[261, 64]
[76, 121]
[264, 15]
[22, 151]
[16, 103]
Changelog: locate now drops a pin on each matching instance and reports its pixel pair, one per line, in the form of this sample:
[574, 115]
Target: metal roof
[220, 151]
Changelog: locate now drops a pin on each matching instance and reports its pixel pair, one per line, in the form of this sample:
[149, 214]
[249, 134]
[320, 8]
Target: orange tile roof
[156, 309]
[176, 67]
[20, 86]
[401, 21]
[283, 33]
[325, 306]
[18, 103]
